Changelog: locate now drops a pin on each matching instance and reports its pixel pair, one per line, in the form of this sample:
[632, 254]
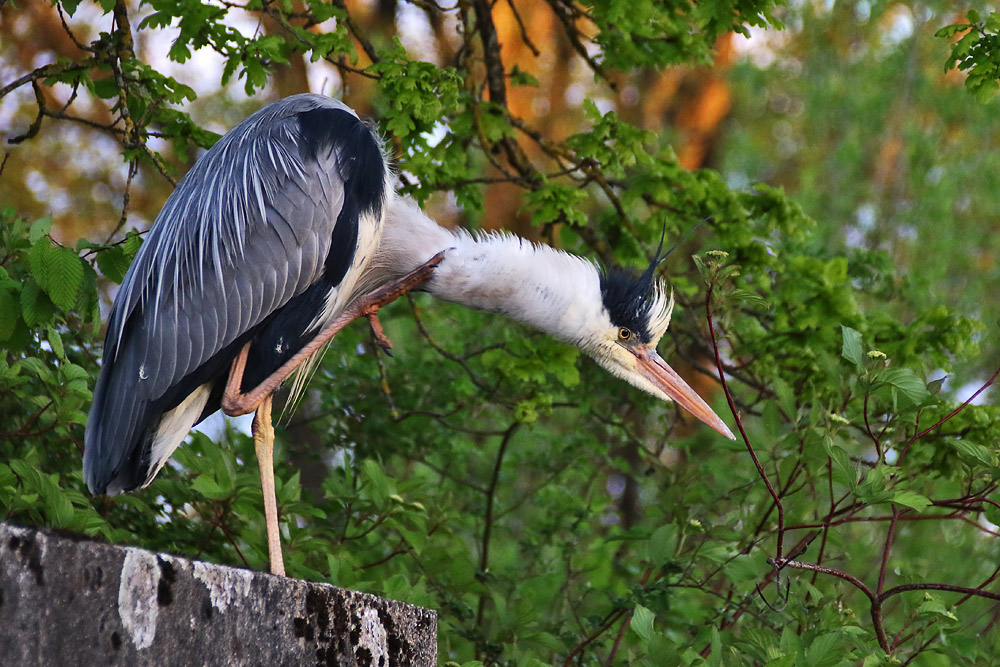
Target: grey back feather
[225, 195]
[247, 229]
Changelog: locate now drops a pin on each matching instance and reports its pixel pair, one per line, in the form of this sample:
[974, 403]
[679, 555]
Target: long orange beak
[655, 369]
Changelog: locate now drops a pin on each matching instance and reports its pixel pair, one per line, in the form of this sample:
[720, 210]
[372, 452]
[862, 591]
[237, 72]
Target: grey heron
[282, 233]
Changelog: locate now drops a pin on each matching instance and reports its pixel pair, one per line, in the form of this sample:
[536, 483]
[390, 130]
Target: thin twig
[524, 31]
[69, 31]
[133, 167]
[484, 555]
[906, 588]
[944, 419]
[840, 574]
[739, 423]
[618, 639]
[889, 536]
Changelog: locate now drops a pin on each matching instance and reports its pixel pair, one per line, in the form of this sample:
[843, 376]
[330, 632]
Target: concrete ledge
[76, 602]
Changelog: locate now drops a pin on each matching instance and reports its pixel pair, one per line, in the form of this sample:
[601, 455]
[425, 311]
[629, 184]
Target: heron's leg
[263, 443]
[235, 403]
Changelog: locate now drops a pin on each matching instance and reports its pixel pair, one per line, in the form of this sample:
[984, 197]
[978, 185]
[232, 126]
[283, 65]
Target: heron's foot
[235, 402]
[377, 333]
[369, 304]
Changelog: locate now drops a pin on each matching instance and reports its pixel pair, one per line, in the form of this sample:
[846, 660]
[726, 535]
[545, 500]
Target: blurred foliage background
[837, 163]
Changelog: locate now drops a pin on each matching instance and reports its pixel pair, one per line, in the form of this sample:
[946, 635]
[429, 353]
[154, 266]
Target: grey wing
[257, 222]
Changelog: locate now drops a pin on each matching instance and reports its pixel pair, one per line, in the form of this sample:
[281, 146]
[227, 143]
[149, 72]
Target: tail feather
[116, 432]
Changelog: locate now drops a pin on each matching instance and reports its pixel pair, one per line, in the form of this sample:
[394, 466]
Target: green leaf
[38, 260]
[519, 77]
[715, 657]
[206, 485]
[73, 372]
[824, 651]
[663, 543]
[974, 451]
[64, 277]
[791, 643]
[8, 313]
[556, 202]
[744, 569]
[415, 538]
[131, 244]
[55, 341]
[844, 471]
[36, 308]
[749, 298]
[7, 477]
[106, 88]
[851, 347]
[910, 499]
[39, 367]
[786, 397]
[39, 228]
[71, 6]
[934, 607]
[992, 513]
[642, 622]
[873, 489]
[59, 508]
[907, 382]
[379, 485]
[950, 31]
[835, 271]
[113, 263]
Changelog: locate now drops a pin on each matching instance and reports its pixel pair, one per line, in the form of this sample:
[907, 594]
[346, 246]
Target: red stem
[878, 445]
[739, 423]
[951, 414]
[905, 588]
[887, 548]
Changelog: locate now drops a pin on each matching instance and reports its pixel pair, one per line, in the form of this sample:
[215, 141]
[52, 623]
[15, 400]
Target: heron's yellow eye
[624, 334]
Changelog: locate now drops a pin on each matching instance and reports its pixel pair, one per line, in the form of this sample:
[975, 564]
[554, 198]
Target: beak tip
[723, 429]
[672, 387]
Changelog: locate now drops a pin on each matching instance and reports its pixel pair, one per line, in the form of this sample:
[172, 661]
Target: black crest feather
[629, 299]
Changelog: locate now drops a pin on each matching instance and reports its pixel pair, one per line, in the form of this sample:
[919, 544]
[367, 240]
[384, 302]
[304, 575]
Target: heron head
[635, 316]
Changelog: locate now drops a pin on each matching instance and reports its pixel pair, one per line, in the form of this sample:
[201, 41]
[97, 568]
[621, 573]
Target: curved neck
[545, 288]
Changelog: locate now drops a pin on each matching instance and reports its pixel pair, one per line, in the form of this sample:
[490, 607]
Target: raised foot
[377, 333]
[369, 304]
[236, 403]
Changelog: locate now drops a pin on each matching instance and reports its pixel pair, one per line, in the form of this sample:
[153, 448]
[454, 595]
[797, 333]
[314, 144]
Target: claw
[377, 332]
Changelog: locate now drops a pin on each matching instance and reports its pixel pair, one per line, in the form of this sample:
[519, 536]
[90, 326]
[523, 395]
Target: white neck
[548, 289]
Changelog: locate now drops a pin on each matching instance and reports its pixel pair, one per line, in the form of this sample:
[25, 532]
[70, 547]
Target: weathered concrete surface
[74, 602]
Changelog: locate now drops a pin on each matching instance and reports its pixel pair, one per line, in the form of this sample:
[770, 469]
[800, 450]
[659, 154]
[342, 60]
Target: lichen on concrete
[137, 593]
[373, 637]
[225, 586]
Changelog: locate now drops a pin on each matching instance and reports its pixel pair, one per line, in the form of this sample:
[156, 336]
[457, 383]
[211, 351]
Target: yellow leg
[263, 443]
